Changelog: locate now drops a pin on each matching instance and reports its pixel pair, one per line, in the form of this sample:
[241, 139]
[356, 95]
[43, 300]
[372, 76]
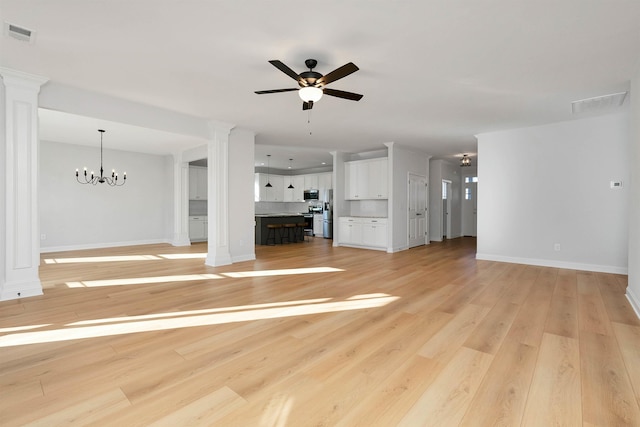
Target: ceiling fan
[312, 84]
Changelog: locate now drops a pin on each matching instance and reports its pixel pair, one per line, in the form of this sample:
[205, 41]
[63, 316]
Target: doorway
[417, 204]
[469, 205]
[446, 209]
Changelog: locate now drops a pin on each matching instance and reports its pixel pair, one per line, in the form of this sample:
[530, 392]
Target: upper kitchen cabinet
[275, 193]
[311, 181]
[367, 179]
[197, 183]
[295, 194]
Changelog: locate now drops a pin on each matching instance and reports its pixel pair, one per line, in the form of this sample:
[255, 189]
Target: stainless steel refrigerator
[327, 215]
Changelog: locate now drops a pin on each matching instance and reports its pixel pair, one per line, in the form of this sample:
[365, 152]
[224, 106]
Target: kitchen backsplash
[279, 207]
[197, 207]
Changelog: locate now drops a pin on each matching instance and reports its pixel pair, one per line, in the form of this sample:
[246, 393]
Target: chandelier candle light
[112, 180]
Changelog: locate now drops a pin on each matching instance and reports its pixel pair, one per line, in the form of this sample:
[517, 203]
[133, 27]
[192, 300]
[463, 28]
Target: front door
[469, 205]
[417, 210]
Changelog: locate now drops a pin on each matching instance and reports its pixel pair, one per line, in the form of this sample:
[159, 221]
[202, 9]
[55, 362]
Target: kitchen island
[262, 220]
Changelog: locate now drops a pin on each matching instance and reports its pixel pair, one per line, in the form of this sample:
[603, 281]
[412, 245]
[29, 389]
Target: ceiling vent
[19, 33]
[599, 103]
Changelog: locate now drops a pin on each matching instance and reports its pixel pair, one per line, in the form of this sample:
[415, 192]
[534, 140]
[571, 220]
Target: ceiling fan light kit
[312, 83]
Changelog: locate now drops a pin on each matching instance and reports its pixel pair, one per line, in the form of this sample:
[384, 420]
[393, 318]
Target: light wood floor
[318, 336]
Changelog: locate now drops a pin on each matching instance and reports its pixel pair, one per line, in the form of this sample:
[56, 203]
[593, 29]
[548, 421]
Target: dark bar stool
[300, 231]
[288, 232]
[271, 233]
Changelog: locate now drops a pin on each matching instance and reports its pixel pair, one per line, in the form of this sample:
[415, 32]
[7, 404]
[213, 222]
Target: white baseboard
[245, 257]
[556, 264]
[634, 301]
[17, 290]
[102, 245]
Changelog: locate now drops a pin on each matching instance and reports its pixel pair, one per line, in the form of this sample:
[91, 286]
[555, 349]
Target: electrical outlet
[556, 247]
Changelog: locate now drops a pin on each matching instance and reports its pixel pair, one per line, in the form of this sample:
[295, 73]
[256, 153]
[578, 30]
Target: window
[468, 179]
[467, 193]
[444, 190]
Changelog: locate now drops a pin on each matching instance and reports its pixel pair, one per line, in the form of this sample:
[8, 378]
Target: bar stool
[300, 231]
[271, 233]
[288, 232]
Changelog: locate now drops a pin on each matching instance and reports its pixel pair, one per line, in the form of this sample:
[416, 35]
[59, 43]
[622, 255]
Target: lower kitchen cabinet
[317, 225]
[198, 228]
[363, 232]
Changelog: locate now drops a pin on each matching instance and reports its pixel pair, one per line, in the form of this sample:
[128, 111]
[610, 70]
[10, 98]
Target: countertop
[278, 215]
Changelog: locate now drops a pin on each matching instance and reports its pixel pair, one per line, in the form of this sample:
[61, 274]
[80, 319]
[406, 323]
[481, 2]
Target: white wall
[633, 289]
[549, 185]
[402, 162]
[439, 170]
[75, 216]
[241, 200]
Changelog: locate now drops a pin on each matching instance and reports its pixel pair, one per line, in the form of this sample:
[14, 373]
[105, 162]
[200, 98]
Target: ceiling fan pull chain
[309, 121]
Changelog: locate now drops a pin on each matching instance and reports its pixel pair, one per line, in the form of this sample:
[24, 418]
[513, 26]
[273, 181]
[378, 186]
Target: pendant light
[465, 161]
[268, 178]
[290, 183]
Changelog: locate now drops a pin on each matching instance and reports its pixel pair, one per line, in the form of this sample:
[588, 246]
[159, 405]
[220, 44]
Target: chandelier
[465, 161]
[112, 180]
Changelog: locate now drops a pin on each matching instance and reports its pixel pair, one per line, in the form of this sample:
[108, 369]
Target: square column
[180, 202]
[218, 196]
[19, 222]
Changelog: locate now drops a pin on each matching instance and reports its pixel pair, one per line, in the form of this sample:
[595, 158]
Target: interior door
[417, 210]
[469, 205]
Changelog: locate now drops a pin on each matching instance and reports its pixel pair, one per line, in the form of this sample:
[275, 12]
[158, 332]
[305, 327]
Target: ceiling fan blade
[262, 92]
[307, 105]
[338, 73]
[288, 71]
[342, 94]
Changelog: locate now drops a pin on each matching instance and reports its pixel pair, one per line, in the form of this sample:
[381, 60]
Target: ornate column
[19, 222]
[218, 195]
[180, 202]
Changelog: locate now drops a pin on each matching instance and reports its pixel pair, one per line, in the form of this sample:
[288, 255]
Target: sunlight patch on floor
[141, 280]
[118, 258]
[194, 312]
[179, 321]
[285, 272]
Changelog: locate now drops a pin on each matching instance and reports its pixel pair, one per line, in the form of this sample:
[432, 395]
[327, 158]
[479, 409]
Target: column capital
[20, 78]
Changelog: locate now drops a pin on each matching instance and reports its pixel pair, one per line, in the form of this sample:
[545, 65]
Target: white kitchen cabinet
[349, 231]
[197, 183]
[198, 228]
[317, 225]
[311, 181]
[367, 179]
[295, 194]
[374, 232]
[363, 232]
[275, 193]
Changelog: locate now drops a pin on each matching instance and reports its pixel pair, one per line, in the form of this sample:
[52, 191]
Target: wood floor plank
[426, 336]
[554, 398]
[501, 397]
[447, 398]
[628, 338]
[607, 395]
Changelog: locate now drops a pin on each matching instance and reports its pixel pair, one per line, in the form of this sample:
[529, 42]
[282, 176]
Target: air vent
[19, 33]
[598, 103]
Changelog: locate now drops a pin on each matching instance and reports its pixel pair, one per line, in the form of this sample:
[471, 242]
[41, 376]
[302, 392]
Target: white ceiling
[433, 73]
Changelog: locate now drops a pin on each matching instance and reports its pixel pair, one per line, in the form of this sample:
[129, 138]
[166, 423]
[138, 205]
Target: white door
[446, 209]
[469, 205]
[417, 210]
